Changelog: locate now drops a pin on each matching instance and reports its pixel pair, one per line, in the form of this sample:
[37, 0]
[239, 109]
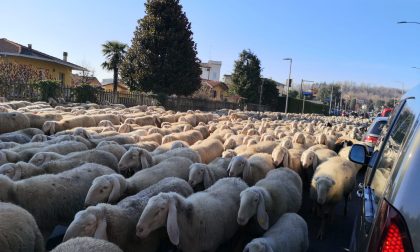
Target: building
[211, 70]
[48, 67]
[108, 85]
[227, 78]
[79, 79]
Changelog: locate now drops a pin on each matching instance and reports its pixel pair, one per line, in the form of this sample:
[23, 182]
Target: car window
[391, 151]
[377, 127]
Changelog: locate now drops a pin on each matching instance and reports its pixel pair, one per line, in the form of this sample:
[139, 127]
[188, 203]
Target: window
[393, 147]
[62, 77]
[214, 93]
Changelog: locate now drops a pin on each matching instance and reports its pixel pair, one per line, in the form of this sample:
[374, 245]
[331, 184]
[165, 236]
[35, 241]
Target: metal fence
[136, 98]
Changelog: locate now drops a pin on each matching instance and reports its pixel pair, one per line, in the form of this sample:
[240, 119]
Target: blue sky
[334, 40]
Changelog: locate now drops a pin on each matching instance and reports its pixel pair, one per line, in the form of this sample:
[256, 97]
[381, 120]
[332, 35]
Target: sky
[328, 40]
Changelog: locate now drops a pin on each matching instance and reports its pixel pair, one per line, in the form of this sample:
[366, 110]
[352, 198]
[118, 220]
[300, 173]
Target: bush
[48, 88]
[86, 93]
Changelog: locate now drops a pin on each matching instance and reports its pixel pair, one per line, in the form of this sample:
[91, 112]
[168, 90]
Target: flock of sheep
[146, 179]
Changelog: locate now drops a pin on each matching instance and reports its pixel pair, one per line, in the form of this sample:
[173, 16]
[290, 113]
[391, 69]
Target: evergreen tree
[163, 55]
[114, 52]
[270, 92]
[246, 76]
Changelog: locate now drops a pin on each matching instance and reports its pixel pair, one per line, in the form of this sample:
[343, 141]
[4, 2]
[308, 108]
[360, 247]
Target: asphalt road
[338, 232]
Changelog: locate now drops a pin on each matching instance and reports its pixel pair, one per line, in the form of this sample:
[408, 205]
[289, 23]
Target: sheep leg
[321, 231]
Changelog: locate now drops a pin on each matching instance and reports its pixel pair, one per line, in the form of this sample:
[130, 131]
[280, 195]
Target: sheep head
[160, 210]
[299, 138]
[322, 139]
[237, 166]
[229, 143]
[323, 185]
[105, 123]
[13, 171]
[49, 127]
[228, 153]
[178, 144]
[40, 158]
[199, 173]
[309, 158]
[6, 184]
[39, 138]
[168, 139]
[106, 188]
[258, 245]
[135, 159]
[280, 155]
[90, 222]
[125, 128]
[82, 132]
[287, 143]
[253, 203]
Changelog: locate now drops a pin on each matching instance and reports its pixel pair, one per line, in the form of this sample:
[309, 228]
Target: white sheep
[13, 121]
[86, 244]
[332, 182]
[112, 188]
[62, 194]
[117, 223]
[208, 149]
[208, 174]
[251, 170]
[20, 136]
[288, 234]
[312, 159]
[201, 222]
[279, 192]
[136, 159]
[289, 158]
[18, 229]
[112, 147]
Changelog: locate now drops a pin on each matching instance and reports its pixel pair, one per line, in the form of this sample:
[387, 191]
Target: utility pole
[301, 89]
[289, 82]
[332, 89]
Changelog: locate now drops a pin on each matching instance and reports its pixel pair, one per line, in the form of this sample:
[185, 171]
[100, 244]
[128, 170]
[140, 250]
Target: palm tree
[114, 52]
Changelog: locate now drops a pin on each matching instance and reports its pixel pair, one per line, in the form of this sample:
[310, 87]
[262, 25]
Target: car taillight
[371, 139]
[390, 233]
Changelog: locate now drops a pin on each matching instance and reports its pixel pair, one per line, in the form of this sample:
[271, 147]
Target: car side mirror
[358, 154]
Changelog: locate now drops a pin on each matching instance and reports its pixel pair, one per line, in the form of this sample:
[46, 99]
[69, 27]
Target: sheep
[86, 244]
[288, 234]
[119, 221]
[136, 158]
[18, 229]
[112, 188]
[120, 139]
[200, 222]
[190, 136]
[51, 127]
[233, 142]
[208, 149]
[333, 180]
[8, 145]
[290, 158]
[38, 120]
[229, 153]
[112, 147]
[155, 137]
[208, 174]
[279, 192]
[20, 136]
[111, 119]
[150, 146]
[251, 170]
[312, 159]
[13, 121]
[62, 194]
[327, 140]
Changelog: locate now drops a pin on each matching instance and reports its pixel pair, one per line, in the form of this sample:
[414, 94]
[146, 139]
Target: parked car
[386, 111]
[389, 219]
[372, 134]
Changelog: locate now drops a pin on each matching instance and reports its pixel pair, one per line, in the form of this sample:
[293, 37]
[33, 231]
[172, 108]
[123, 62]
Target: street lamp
[289, 81]
[408, 22]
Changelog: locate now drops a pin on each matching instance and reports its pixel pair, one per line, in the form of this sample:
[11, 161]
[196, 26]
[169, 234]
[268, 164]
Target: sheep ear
[145, 159]
[262, 215]
[18, 173]
[286, 159]
[100, 232]
[172, 223]
[314, 162]
[116, 190]
[208, 180]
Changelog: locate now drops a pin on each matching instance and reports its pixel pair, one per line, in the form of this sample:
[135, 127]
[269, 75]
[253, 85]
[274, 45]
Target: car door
[378, 171]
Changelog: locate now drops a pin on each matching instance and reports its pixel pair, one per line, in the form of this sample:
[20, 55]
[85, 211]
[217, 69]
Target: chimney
[65, 56]
[30, 47]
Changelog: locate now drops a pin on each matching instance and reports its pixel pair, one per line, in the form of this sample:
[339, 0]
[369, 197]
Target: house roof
[10, 48]
[213, 84]
[121, 85]
[75, 78]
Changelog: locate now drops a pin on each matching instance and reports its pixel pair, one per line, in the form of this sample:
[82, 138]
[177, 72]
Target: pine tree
[163, 55]
[246, 76]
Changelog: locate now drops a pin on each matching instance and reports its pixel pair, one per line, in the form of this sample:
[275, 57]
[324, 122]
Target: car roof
[381, 118]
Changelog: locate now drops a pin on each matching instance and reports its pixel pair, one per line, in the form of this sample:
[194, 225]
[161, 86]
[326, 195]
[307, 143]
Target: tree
[353, 104]
[114, 53]
[246, 76]
[163, 55]
[270, 93]
[293, 93]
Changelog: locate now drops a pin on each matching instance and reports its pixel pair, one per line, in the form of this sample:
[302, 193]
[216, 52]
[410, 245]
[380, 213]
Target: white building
[211, 70]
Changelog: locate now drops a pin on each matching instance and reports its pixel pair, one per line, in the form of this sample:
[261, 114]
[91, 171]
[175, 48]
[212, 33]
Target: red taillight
[390, 233]
[393, 240]
[371, 139]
